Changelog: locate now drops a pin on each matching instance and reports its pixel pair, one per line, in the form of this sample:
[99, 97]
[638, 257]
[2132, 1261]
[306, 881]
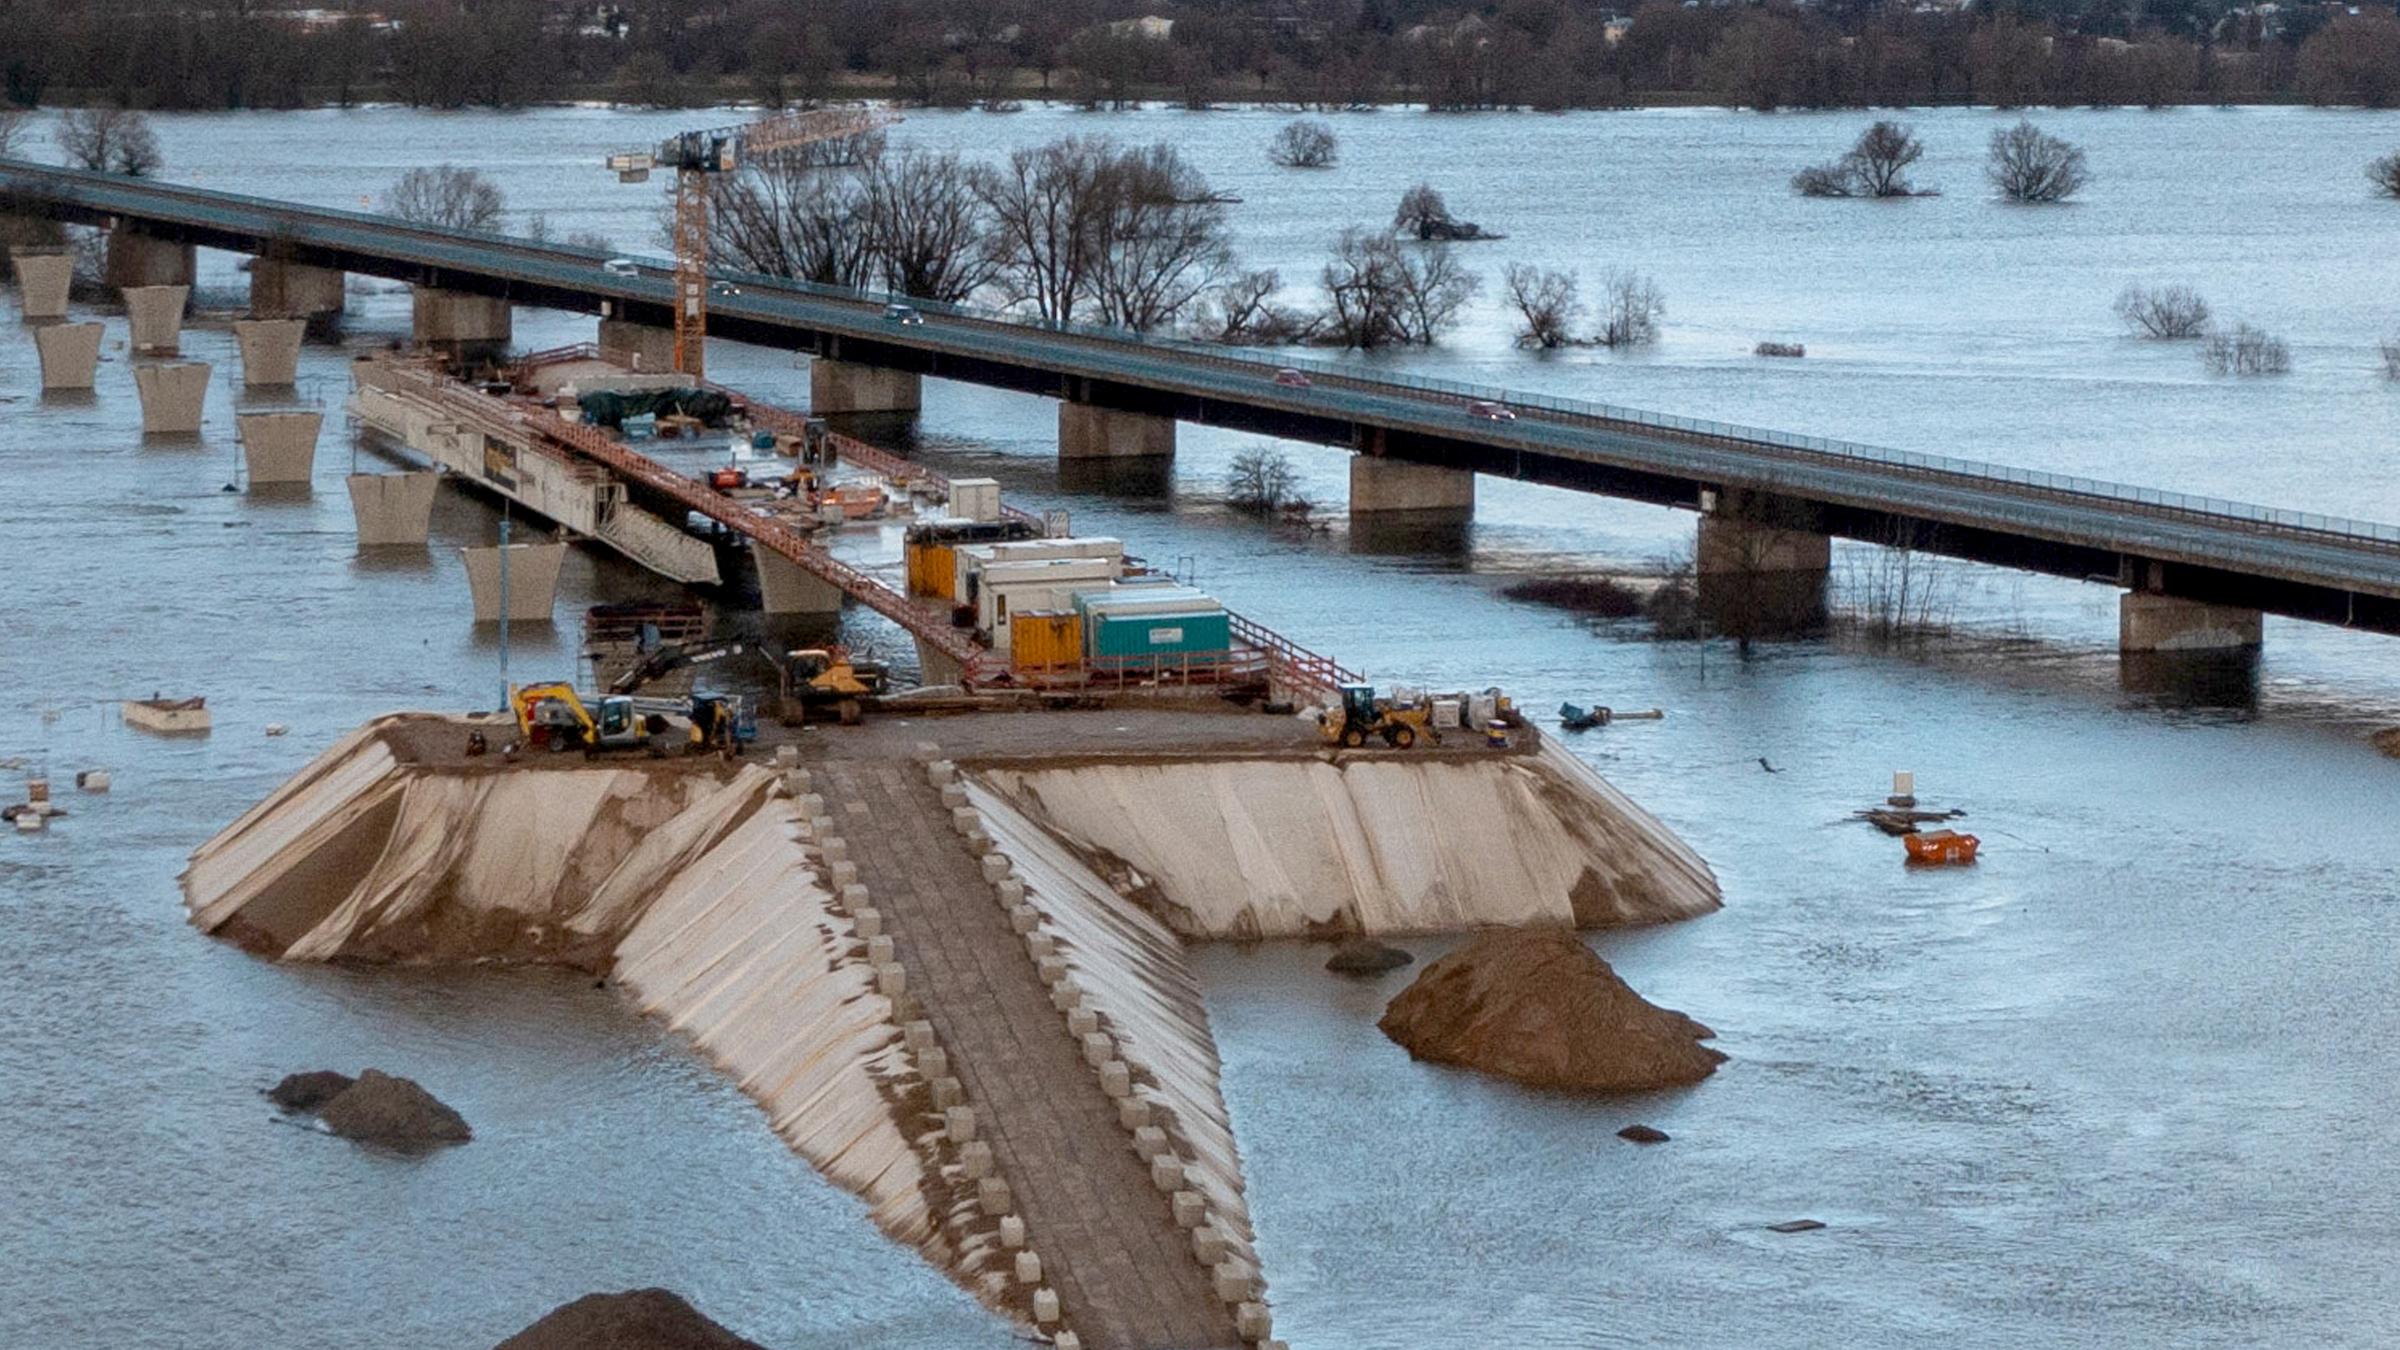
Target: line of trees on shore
[1541, 54]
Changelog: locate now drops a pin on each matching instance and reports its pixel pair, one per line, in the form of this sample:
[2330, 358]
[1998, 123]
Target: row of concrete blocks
[959, 1127]
[1236, 1281]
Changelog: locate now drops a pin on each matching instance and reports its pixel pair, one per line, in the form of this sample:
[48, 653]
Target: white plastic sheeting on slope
[1382, 844]
[1132, 972]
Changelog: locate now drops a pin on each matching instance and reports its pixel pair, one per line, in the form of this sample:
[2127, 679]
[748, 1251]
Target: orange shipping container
[932, 570]
[1045, 640]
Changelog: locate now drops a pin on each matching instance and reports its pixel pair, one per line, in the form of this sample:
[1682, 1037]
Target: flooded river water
[2123, 1083]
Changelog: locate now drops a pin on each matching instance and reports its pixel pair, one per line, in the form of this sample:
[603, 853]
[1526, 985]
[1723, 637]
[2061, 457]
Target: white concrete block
[1150, 1141]
[854, 897]
[991, 1195]
[979, 843]
[933, 1063]
[1098, 1048]
[1132, 1112]
[1024, 919]
[942, 772]
[891, 979]
[1066, 1340]
[996, 867]
[1065, 996]
[1115, 1079]
[1051, 969]
[1208, 1245]
[835, 848]
[788, 757]
[958, 1123]
[812, 805]
[975, 1159]
[1012, 891]
[1039, 944]
[965, 819]
[819, 826]
[1166, 1173]
[920, 1037]
[953, 796]
[1012, 1232]
[1045, 1306]
[1252, 1322]
[1029, 1267]
[1082, 1022]
[843, 873]
[868, 920]
[1191, 1209]
[879, 950]
[1233, 1279]
[948, 1092]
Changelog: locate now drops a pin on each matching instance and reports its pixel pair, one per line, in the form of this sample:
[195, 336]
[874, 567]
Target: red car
[1491, 412]
[1292, 379]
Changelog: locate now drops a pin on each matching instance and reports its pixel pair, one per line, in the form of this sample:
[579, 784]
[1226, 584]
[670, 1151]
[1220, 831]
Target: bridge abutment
[289, 290]
[1399, 490]
[43, 280]
[174, 394]
[135, 259]
[70, 353]
[1088, 431]
[645, 347]
[1756, 579]
[784, 587]
[270, 351]
[393, 508]
[279, 447]
[2163, 623]
[155, 314]
[935, 666]
[837, 387]
[532, 581]
[460, 324]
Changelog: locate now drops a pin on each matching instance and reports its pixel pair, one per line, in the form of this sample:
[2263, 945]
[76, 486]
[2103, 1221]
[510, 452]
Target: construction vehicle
[721, 722]
[1362, 715]
[826, 679]
[666, 660]
[556, 716]
[696, 157]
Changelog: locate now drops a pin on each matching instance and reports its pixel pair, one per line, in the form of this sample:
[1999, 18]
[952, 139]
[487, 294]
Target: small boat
[1941, 846]
[1572, 718]
[170, 715]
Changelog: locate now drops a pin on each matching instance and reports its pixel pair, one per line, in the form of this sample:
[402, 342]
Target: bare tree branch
[446, 196]
[2028, 165]
[110, 140]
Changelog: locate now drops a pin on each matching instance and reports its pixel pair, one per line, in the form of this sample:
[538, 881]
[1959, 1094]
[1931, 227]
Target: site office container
[1132, 626]
[1003, 590]
[932, 569]
[970, 560]
[932, 547]
[1046, 640]
[975, 498]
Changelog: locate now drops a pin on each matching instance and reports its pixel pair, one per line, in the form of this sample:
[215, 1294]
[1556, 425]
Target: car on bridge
[1293, 379]
[903, 314]
[621, 267]
[1490, 411]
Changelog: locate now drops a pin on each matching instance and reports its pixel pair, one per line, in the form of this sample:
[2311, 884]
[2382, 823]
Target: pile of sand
[1538, 1006]
[639, 1319]
[375, 1107]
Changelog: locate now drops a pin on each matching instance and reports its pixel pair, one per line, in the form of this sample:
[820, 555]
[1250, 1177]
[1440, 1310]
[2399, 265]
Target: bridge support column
[70, 352]
[647, 348]
[1399, 489]
[1087, 431]
[270, 351]
[1760, 580]
[456, 323]
[532, 581]
[289, 290]
[43, 279]
[279, 447]
[2163, 623]
[836, 387]
[935, 666]
[393, 508]
[155, 313]
[174, 393]
[136, 259]
[784, 587]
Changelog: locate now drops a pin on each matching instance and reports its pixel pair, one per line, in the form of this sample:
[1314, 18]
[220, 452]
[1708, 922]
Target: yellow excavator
[554, 715]
[825, 678]
[1362, 715]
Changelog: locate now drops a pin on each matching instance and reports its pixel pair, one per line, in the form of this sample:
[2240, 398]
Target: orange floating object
[1941, 846]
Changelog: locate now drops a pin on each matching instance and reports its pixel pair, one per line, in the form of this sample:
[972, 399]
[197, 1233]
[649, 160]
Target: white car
[621, 267]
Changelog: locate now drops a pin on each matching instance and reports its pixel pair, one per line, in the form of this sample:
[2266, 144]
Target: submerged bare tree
[1242, 311]
[1631, 305]
[1305, 144]
[1875, 166]
[785, 214]
[1131, 236]
[2245, 350]
[1903, 591]
[2385, 174]
[929, 231]
[1546, 301]
[1262, 481]
[1379, 294]
[2173, 312]
[2028, 164]
[446, 196]
[111, 140]
[1422, 212]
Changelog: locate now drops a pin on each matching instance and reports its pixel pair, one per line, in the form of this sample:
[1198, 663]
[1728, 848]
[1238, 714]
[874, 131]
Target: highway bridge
[2198, 571]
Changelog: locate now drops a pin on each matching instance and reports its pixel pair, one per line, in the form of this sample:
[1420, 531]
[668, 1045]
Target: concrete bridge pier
[289, 290]
[135, 259]
[1397, 490]
[2162, 623]
[456, 323]
[279, 447]
[270, 351]
[173, 393]
[532, 581]
[935, 666]
[393, 509]
[1087, 431]
[645, 347]
[836, 387]
[1761, 579]
[784, 587]
[155, 314]
[43, 279]
[70, 352]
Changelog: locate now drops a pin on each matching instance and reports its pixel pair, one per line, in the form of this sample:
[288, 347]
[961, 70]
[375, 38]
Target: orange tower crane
[697, 155]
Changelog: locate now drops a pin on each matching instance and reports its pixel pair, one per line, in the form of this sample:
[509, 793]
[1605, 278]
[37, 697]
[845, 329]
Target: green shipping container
[1156, 634]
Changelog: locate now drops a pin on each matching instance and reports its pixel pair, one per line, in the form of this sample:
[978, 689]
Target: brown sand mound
[639, 1319]
[1538, 1006]
[382, 1109]
[2388, 741]
[310, 1090]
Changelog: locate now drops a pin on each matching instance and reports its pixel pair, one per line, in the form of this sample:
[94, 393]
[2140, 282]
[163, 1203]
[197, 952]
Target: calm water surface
[2125, 1083]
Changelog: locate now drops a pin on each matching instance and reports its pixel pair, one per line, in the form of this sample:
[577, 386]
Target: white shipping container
[975, 498]
[1119, 601]
[1445, 713]
[1003, 589]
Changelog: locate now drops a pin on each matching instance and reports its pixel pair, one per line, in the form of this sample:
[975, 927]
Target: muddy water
[2123, 1083]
